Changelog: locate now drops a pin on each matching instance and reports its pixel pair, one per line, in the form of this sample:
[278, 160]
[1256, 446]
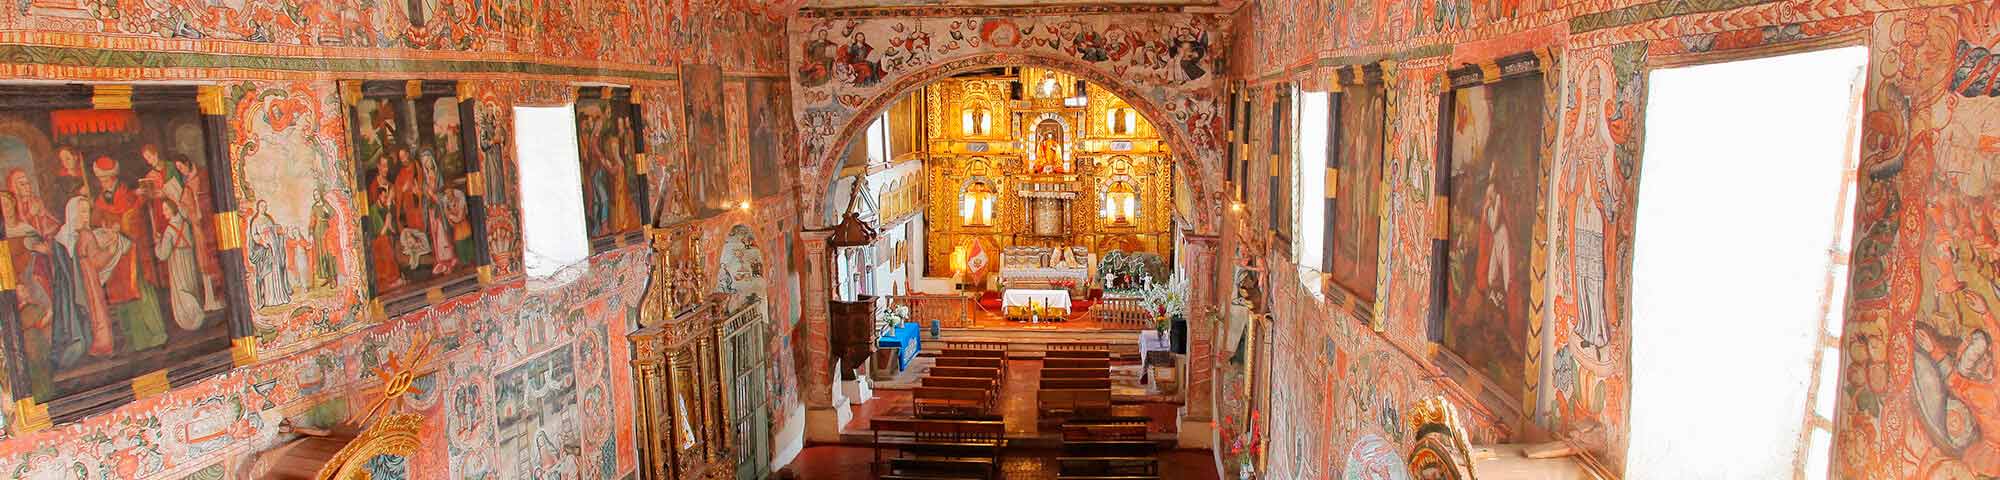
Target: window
[978, 121]
[1315, 118]
[1121, 203]
[878, 139]
[552, 226]
[976, 205]
[1770, 291]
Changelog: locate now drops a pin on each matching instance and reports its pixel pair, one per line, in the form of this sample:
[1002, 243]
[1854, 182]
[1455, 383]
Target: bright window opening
[552, 225]
[1745, 198]
[1315, 113]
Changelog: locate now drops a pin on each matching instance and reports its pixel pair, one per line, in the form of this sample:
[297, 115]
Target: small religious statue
[1048, 152]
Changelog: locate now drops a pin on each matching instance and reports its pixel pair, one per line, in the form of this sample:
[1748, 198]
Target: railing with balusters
[948, 310]
[1123, 312]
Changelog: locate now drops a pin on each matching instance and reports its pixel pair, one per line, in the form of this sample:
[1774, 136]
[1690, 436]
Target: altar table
[1042, 298]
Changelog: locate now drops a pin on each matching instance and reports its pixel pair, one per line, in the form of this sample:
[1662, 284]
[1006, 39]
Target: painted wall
[320, 349]
[1924, 255]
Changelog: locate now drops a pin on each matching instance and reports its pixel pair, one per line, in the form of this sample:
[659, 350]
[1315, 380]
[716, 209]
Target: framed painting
[1490, 136]
[1354, 200]
[767, 111]
[707, 171]
[612, 156]
[121, 288]
[420, 195]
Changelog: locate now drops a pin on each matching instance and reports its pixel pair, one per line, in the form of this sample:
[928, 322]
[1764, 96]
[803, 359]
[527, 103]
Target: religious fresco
[537, 419]
[1578, 373]
[119, 292]
[283, 145]
[614, 193]
[850, 68]
[287, 126]
[1493, 183]
[1357, 208]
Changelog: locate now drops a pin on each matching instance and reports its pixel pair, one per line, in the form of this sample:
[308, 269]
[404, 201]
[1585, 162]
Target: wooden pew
[1098, 363]
[1001, 346]
[1074, 401]
[954, 441]
[1070, 373]
[947, 401]
[972, 353]
[973, 372]
[1106, 428]
[960, 382]
[1105, 354]
[1080, 346]
[1076, 383]
[1107, 467]
[993, 363]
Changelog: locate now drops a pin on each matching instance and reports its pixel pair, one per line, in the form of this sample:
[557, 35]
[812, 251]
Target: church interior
[999, 239]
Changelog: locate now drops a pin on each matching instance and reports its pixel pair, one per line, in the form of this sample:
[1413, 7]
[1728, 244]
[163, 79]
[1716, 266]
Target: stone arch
[1186, 155]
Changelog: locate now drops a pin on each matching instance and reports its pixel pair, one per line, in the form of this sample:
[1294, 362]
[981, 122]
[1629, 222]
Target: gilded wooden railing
[1123, 312]
[949, 310]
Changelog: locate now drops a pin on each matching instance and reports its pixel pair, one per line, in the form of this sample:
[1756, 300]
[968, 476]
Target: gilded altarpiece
[676, 368]
[1107, 167]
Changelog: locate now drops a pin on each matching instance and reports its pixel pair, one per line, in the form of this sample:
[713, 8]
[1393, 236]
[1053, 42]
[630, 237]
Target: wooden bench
[978, 362]
[959, 382]
[941, 468]
[1108, 428]
[1070, 373]
[931, 401]
[972, 353]
[1105, 354]
[1111, 448]
[1073, 401]
[968, 372]
[1076, 383]
[1080, 346]
[935, 438]
[1107, 467]
[1001, 346]
[1098, 363]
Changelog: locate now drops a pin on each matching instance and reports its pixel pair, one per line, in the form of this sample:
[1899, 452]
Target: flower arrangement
[1166, 301]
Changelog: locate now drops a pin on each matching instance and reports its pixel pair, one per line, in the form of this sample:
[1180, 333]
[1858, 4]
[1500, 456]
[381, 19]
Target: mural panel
[121, 290]
[535, 410]
[415, 160]
[1494, 173]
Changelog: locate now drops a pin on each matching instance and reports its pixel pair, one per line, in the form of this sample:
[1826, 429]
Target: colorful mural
[290, 147]
[850, 68]
[1907, 408]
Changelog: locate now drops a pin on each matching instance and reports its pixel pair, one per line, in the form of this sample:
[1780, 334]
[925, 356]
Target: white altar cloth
[1045, 298]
